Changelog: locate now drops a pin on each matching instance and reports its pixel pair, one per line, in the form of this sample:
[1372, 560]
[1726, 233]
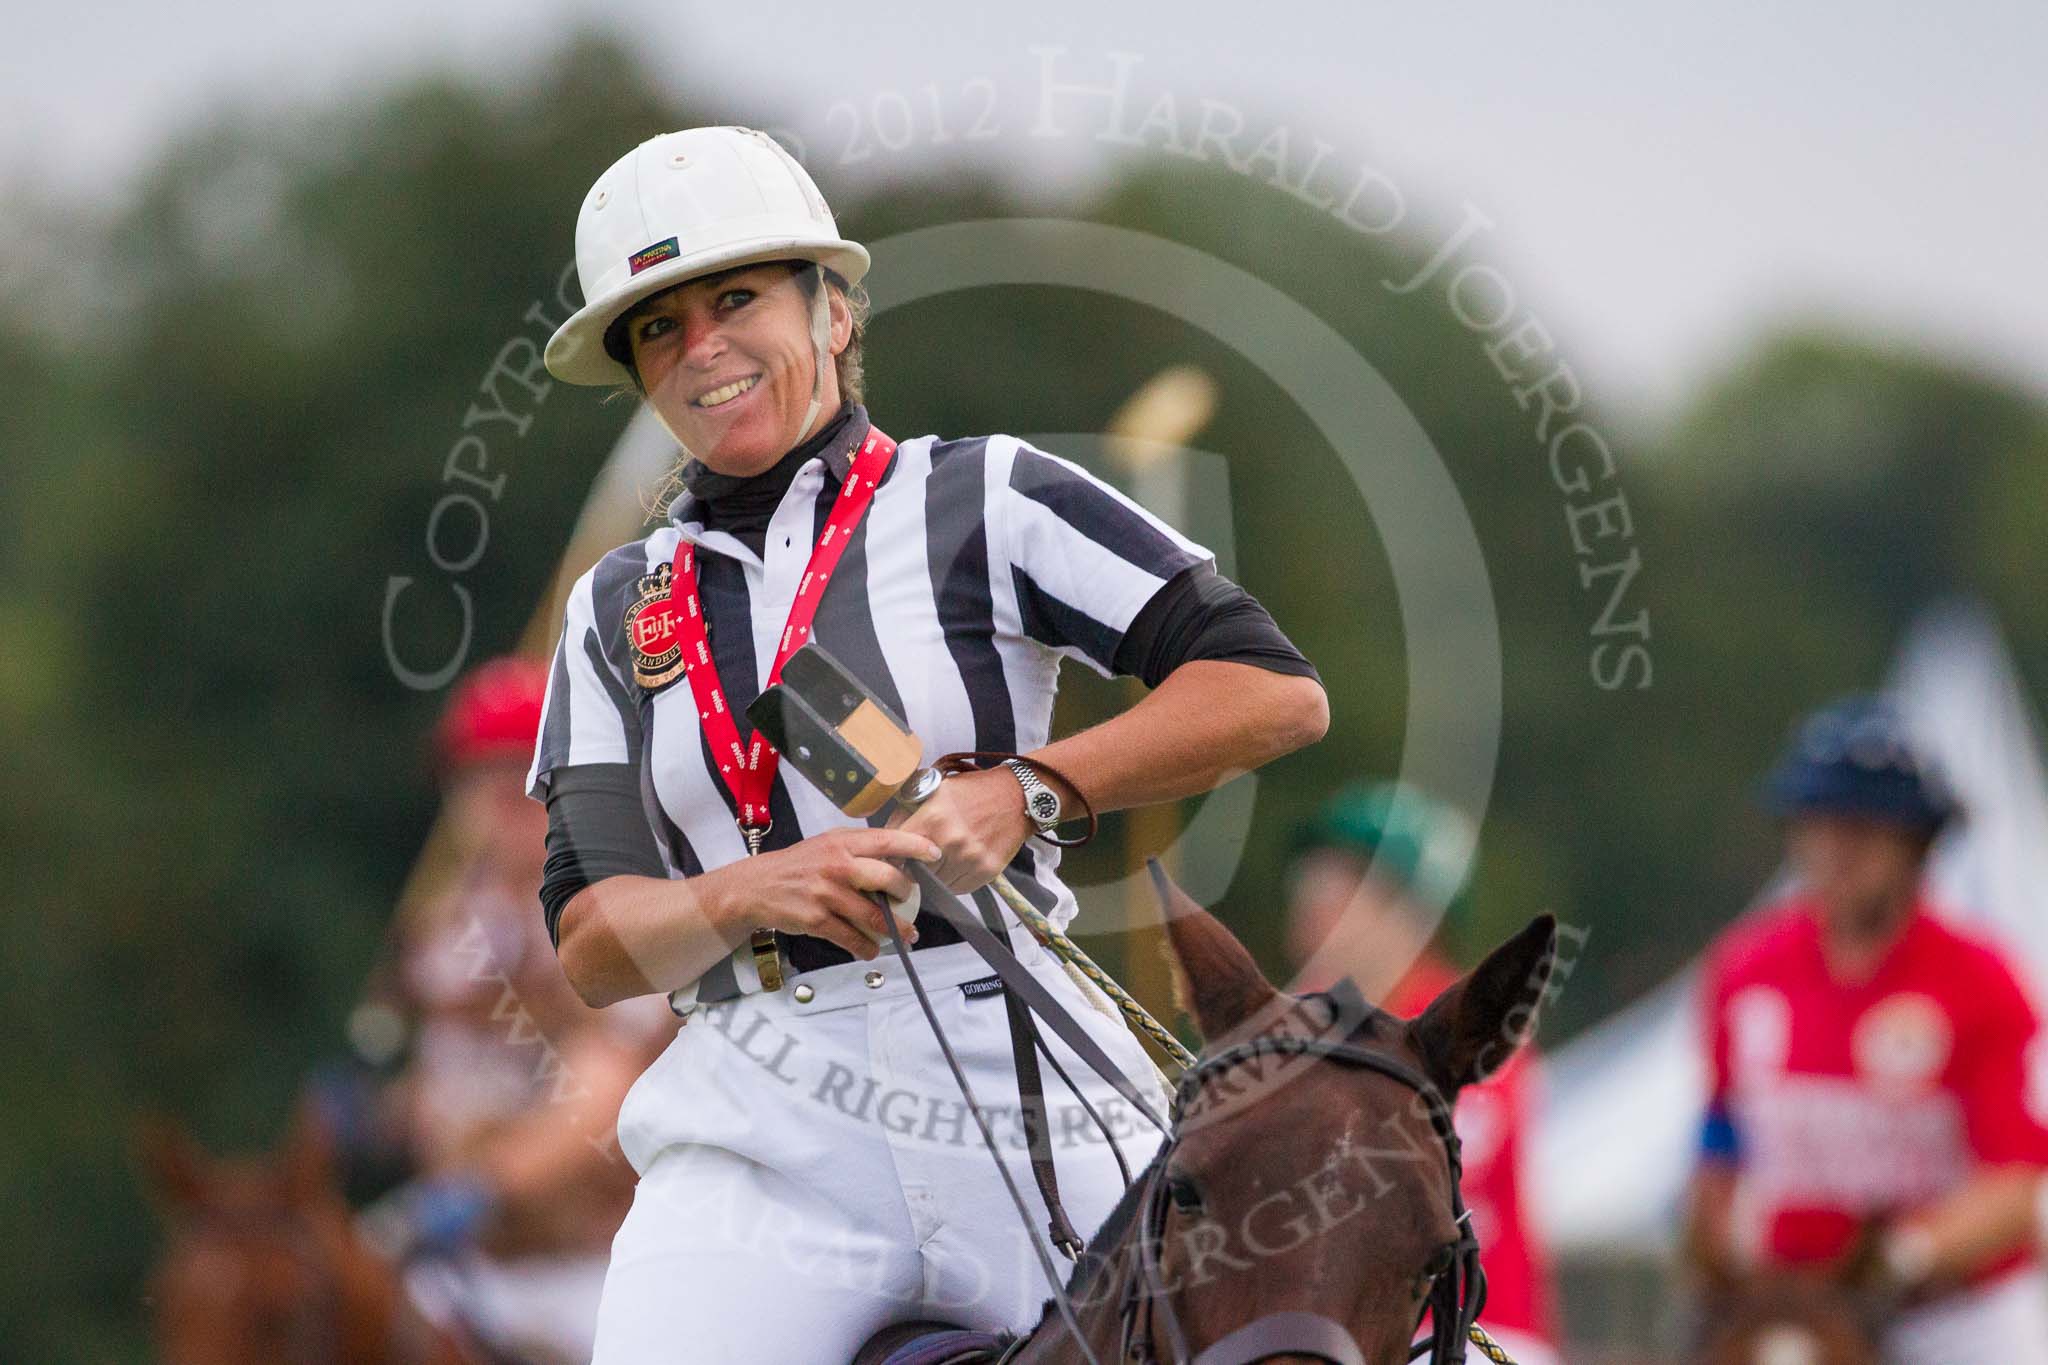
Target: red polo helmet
[494, 712]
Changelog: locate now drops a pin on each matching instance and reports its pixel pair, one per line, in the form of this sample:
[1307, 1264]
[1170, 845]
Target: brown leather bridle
[1456, 1295]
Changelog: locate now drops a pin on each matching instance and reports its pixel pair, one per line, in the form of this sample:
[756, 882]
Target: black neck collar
[715, 499]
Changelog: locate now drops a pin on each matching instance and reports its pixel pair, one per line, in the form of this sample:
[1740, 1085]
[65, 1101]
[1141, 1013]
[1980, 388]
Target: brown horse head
[1303, 1183]
[262, 1261]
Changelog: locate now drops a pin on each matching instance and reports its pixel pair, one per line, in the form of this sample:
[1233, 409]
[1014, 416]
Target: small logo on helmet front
[653, 255]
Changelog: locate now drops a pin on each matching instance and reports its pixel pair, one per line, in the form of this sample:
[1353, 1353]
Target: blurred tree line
[228, 420]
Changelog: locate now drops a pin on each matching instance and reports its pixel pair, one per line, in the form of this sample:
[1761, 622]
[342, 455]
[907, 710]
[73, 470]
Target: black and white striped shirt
[981, 563]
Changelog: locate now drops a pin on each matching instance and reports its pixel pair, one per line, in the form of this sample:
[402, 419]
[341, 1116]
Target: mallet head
[827, 725]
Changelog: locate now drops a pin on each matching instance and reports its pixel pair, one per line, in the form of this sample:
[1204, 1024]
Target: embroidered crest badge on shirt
[651, 630]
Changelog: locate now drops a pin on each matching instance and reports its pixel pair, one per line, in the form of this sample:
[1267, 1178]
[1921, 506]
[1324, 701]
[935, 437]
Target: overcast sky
[1662, 179]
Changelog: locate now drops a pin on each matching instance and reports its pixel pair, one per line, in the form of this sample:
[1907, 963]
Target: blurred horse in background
[264, 1263]
[1790, 1318]
[1831, 1313]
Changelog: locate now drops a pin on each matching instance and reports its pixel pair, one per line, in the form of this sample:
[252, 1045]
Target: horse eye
[1439, 1263]
[1185, 1196]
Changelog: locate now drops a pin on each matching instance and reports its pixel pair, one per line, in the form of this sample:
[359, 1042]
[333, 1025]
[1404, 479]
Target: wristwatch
[1041, 802]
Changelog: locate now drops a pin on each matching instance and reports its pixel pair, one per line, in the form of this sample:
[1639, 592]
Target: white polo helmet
[681, 205]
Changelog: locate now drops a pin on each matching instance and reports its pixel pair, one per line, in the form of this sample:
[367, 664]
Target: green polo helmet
[1418, 843]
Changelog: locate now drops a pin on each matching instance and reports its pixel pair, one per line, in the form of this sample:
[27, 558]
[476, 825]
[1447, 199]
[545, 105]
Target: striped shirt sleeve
[1084, 558]
[589, 715]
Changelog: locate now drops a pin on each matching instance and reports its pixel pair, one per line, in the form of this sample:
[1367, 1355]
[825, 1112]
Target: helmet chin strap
[821, 356]
[821, 349]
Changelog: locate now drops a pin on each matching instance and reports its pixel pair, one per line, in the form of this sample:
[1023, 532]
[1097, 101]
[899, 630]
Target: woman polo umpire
[808, 1173]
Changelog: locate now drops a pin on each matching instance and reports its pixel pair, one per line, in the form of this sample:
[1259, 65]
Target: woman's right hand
[820, 886]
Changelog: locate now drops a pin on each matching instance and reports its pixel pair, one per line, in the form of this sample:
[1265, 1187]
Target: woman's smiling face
[727, 360]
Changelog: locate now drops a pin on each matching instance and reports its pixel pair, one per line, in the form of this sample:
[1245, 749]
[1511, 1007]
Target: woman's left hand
[978, 821]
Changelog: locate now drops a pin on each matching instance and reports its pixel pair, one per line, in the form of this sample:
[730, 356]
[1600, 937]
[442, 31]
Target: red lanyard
[749, 772]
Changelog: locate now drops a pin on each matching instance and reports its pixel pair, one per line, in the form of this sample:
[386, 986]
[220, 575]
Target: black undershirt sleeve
[596, 829]
[1200, 614]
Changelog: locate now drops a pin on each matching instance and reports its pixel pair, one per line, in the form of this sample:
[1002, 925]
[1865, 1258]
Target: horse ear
[1471, 1030]
[307, 1160]
[174, 1169]
[1215, 979]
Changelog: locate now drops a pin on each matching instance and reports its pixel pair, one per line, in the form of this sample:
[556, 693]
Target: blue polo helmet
[1855, 756]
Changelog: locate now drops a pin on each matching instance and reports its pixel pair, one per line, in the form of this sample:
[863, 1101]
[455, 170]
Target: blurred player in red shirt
[1374, 872]
[1873, 1067]
[513, 1087]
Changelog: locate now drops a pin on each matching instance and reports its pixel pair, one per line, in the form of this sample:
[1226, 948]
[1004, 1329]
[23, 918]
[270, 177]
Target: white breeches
[809, 1173]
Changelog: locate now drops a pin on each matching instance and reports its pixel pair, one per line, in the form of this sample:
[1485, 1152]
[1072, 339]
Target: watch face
[1044, 806]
